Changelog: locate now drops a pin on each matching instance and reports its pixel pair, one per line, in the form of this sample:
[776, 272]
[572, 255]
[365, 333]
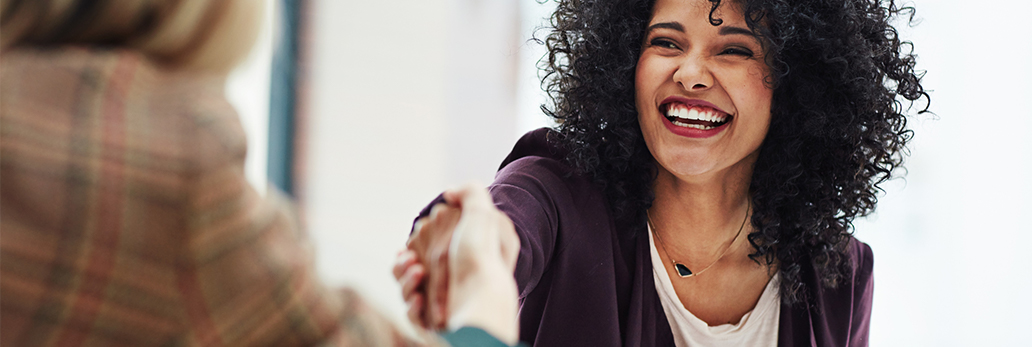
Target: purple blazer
[585, 281]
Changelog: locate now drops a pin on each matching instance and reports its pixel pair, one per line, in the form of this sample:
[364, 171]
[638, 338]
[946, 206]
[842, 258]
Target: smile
[695, 116]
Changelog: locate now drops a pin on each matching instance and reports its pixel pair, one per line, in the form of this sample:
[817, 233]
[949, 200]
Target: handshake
[458, 268]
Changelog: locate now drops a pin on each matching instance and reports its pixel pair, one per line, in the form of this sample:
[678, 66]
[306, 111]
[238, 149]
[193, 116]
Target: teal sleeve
[470, 336]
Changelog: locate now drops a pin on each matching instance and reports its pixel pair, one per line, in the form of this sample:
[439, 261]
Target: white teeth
[693, 126]
[695, 113]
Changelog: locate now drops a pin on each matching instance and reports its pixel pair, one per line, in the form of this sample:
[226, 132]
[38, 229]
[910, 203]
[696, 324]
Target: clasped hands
[458, 268]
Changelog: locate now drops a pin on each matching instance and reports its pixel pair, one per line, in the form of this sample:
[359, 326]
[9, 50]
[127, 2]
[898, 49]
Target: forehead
[729, 12]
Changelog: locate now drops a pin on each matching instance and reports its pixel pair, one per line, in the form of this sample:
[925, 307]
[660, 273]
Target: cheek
[760, 88]
[649, 75]
[645, 88]
[648, 79]
[640, 82]
[761, 97]
[758, 110]
[752, 97]
[754, 94]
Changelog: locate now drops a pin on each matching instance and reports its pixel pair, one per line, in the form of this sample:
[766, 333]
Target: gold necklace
[682, 270]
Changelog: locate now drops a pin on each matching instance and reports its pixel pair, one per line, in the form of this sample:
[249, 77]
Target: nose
[693, 74]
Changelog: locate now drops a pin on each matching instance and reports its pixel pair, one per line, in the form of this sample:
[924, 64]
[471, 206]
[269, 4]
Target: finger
[417, 229]
[437, 289]
[415, 311]
[440, 318]
[447, 217]
[469, 194]
[402, 262]
[442, 315]
[434, 211]
[412, 281]
[439, 230]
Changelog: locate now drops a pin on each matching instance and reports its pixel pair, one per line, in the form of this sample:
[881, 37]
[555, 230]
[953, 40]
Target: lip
[691, 132]
[690, 102]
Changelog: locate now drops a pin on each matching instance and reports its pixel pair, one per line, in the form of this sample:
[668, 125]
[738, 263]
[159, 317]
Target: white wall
[408, 97]
[529, 95]
[950, 241]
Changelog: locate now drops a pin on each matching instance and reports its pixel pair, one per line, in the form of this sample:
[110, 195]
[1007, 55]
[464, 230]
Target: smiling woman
[703, 104]
[684, 125]
[835, 74]
[704, 109]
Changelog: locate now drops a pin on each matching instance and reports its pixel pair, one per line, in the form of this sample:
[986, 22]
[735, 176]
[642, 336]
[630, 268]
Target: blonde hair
[212, 35]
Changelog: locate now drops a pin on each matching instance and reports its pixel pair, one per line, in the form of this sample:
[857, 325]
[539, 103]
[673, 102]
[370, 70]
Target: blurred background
[366, 110]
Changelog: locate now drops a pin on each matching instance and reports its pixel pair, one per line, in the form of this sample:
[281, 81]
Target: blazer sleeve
[527, 191]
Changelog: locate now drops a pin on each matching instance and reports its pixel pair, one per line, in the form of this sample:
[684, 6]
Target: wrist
[485, 298]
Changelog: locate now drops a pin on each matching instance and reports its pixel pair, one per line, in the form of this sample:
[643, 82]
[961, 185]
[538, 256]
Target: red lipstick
[689, 131]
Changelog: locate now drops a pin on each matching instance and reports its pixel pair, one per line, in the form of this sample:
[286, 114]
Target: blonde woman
[125, 216]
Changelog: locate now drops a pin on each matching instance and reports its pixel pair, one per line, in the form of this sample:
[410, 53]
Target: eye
[738, 51]
[663, 43]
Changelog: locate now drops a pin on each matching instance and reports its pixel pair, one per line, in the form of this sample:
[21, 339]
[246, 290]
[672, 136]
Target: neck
[697, 217]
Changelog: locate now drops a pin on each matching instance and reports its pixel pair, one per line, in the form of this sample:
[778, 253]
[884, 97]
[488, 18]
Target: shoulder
[164, 114]
[852, 297]
[541, 193]
[861, 259]
[163, 128]
[840, 315]
[70, 84]
[540, 143]
[859, 269]
[210, 123]
[855, 285]
[537, 166]
[536, 158]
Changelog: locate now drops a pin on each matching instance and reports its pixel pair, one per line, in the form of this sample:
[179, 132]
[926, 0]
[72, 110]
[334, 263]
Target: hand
[425, 291]
[479, 211]
[410, 274]
[482, 258]
[470, 249]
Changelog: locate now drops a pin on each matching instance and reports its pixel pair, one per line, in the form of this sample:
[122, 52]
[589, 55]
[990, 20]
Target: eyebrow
[666, 25]
[724, 30]
[733, 30]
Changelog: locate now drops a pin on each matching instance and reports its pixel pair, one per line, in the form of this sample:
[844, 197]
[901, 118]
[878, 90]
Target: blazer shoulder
[861, 257]
[543, 143]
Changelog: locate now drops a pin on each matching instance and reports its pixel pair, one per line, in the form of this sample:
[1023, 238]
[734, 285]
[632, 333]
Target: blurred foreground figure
[125, 216]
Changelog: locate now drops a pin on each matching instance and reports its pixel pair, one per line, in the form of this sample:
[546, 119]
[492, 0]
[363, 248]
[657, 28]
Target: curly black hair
[838, 125]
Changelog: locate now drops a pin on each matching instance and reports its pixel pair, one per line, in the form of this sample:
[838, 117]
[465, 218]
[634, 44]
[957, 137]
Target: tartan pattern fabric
[126, 219]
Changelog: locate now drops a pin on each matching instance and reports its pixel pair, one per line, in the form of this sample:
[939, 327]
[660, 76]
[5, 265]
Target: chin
[701, 164]
[688, 165]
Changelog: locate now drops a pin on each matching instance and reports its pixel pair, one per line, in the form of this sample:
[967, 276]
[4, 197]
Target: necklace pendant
[682, 270]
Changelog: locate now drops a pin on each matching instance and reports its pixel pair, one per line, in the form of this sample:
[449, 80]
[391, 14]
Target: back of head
[200, 35]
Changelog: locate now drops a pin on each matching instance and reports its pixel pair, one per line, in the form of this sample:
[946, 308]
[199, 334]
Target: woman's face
[702, 102]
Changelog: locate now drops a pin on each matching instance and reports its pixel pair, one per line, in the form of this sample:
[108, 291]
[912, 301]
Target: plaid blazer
[126, 220]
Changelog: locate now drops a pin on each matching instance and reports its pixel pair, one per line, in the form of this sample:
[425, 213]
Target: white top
[757, 328]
